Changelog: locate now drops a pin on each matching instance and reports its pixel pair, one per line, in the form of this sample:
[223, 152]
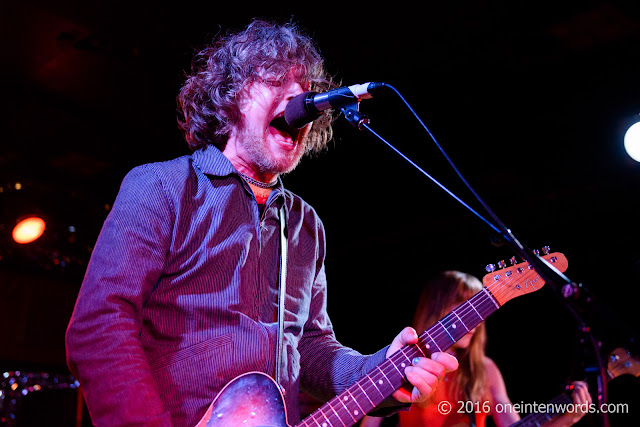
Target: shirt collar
[211, 161]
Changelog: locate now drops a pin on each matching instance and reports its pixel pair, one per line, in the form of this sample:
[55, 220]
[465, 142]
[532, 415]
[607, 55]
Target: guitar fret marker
[347, 409]
[420, 349]
[385, 376]
[375, 385]
[326, 417]
[397, 369]
[433, 341]
[460, 319]
[445, 330]
[354, 400]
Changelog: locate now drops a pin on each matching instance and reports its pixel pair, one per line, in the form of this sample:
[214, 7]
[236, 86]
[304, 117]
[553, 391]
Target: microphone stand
[558, 281]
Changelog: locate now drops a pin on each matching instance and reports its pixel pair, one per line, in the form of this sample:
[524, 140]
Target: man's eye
[272, 82]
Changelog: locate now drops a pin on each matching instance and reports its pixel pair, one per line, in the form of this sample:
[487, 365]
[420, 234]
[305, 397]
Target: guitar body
[252, 399]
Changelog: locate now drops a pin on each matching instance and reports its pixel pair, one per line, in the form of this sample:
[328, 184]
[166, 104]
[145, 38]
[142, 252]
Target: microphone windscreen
[296, 114]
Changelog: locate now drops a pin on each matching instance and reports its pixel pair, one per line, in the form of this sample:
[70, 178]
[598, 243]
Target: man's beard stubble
[262, 158]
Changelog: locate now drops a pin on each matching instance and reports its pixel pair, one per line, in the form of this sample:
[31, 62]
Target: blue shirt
[180, 297]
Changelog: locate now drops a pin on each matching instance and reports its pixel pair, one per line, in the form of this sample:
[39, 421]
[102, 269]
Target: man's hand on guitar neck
[424, 373]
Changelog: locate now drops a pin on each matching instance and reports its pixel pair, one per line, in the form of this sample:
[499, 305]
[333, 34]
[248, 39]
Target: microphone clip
[354, 116]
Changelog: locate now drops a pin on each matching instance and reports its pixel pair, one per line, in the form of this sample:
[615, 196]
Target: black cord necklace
[259, 183]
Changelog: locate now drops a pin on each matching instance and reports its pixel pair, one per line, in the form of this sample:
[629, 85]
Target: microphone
[308, 106]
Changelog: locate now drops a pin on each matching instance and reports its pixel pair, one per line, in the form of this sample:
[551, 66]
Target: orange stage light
[28, 230]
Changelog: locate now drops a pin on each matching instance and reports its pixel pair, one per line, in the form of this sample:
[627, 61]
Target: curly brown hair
[209, 101]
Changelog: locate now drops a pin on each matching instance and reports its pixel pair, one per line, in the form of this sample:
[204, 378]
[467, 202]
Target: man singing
[181, 293]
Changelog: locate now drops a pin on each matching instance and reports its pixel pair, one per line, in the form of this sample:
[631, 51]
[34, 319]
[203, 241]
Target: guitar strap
[471, 414]
[281, 293]
[472, 419]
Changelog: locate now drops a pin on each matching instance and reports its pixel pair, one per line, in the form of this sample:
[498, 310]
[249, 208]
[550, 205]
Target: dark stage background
[530, 99]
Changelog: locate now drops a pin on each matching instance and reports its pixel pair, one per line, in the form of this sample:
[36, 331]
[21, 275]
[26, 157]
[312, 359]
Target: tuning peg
[546, 250]
[490, 268]
[513, 260]
[536, 252]
[502, 264]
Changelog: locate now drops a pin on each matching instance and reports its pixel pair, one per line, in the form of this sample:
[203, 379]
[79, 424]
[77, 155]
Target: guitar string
[462, 310]
[484, 301]
[494, 288]
[479, 306]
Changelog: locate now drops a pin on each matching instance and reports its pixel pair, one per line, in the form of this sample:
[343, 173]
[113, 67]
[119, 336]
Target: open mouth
[280, 124]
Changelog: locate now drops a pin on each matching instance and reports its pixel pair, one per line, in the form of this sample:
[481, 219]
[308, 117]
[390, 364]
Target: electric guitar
[620, 362]
[254, 399]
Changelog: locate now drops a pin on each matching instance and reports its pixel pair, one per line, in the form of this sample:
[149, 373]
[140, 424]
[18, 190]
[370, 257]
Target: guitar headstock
[620, 362]
[506, 283]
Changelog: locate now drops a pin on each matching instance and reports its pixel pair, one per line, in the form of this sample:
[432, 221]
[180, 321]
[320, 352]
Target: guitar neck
[556, 406]
[352, 404]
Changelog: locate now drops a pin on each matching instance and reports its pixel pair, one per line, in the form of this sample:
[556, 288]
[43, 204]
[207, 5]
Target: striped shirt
[180, 294]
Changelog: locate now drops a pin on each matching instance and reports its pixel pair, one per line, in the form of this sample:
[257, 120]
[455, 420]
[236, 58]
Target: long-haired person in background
[478, 382]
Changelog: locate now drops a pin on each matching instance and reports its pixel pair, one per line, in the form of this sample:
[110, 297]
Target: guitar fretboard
[538, 419]
[352, 404]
